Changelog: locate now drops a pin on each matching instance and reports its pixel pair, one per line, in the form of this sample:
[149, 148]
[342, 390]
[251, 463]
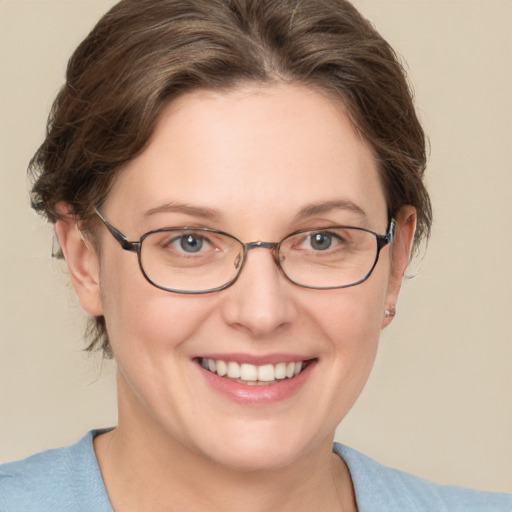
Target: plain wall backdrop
[439, 402]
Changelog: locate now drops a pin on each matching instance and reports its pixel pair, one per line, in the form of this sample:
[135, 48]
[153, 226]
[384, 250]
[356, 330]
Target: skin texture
[254, 157]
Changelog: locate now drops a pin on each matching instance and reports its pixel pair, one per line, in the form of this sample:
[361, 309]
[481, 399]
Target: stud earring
[390, 310]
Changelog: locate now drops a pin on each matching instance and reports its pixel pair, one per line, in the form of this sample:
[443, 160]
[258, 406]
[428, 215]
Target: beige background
[439, 401]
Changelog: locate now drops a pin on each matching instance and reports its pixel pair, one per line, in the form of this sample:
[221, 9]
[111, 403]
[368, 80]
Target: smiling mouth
[251, 374]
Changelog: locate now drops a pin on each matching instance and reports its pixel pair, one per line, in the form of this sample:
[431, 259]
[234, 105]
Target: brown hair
[143, 53]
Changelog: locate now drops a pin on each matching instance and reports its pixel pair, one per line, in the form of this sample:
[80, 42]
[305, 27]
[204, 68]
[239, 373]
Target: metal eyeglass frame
[135, 246]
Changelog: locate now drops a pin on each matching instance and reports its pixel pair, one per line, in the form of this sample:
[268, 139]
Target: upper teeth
[251, 372]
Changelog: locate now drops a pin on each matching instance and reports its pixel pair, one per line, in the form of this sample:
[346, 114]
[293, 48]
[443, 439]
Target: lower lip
[259, 394]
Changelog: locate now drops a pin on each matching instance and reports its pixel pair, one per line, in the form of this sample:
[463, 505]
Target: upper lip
[257, 359]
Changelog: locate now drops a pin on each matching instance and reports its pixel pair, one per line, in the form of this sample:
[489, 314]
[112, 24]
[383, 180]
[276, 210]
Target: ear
[81, 260]
[401, 253]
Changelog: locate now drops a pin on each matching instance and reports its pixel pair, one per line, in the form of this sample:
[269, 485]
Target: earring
[390, 310]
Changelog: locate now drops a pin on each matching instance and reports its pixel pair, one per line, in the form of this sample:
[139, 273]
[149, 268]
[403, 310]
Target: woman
[236, 188]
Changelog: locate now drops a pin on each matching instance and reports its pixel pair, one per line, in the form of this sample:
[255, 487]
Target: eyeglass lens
[204, 260]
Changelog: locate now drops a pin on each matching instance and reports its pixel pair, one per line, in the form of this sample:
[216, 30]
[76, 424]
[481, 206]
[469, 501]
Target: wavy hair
[144, 53]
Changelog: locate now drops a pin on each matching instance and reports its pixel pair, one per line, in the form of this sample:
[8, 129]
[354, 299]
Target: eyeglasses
[204, 260]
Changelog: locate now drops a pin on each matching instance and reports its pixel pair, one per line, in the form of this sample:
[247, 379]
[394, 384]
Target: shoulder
[385, 489]
[62, 479]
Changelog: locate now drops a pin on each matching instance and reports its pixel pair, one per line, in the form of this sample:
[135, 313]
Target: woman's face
[259, 163]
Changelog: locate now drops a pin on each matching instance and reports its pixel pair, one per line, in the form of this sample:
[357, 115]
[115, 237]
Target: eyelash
[177, 239]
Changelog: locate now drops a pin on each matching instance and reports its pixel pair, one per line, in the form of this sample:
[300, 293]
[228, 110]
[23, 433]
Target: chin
[260, 451]
[255, 459]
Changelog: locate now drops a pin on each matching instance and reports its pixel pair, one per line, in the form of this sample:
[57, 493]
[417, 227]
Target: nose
[260, 302]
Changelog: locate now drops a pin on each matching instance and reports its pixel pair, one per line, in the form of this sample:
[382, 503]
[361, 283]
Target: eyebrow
[328, 206]
[194, 211]
[214, 215]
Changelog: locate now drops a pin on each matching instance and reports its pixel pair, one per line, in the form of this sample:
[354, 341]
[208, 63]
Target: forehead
[252, 152]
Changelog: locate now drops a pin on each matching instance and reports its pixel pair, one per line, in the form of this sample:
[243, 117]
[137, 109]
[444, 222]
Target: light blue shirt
[69, 480]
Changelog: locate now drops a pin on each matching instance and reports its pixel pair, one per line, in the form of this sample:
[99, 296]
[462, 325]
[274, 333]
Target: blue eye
[191, 243]
[321, 241]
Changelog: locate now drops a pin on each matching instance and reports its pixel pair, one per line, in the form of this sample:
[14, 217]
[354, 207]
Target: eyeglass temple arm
[125, 244]
[389, 236]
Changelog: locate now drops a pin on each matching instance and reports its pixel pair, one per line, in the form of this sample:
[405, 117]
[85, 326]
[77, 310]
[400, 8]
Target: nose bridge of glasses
[273, 246]
[264, 245]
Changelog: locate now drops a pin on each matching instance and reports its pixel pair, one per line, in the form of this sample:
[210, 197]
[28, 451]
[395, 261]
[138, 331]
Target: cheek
[354, 336]
[139, 315]
[351, 316]
[350, 322]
